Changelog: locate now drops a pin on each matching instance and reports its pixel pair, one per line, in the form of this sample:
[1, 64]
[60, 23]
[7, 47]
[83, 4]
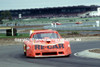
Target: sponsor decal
[39, 47]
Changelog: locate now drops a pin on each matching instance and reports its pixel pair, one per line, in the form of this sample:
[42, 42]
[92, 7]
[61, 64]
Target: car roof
[40, 31]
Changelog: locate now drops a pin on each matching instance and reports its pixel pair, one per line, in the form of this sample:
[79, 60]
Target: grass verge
[18, 36]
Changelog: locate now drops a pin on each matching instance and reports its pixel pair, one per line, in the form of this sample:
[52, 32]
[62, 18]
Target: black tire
[68, 55]
[25, 53]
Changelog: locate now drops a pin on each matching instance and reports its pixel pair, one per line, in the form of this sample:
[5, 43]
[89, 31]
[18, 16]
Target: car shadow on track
[45, 57]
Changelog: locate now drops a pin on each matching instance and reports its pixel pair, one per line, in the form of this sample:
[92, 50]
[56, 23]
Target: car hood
[47, 42]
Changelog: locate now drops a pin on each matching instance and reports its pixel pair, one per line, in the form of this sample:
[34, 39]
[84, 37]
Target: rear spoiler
[32, 31]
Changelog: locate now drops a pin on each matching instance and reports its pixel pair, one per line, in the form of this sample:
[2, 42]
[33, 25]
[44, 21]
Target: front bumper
[52, 56]
[51, 53]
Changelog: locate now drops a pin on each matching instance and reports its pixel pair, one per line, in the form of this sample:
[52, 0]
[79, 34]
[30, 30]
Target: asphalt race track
[12, 56]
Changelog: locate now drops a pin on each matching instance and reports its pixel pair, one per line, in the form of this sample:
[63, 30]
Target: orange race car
[57, 23]
[46, 43]
[78, 22]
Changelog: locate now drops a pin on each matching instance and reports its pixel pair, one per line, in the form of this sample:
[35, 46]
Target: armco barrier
[64, 27]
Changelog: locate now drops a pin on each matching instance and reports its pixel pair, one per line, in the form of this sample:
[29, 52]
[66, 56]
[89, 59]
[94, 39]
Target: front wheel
[68, 55]
[25, 50]
[25, 53]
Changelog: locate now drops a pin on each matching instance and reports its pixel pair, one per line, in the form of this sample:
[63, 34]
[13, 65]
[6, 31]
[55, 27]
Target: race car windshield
[43, 35]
